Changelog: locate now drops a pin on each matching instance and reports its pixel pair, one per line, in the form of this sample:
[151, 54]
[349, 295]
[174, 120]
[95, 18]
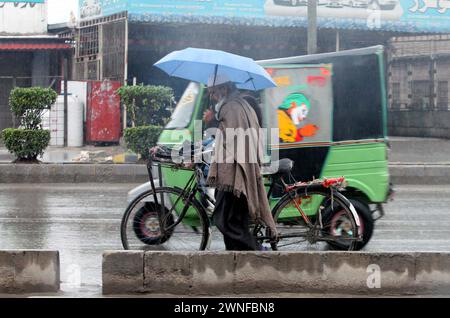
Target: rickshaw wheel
[146, 225]
[367, 222]
[366, 228]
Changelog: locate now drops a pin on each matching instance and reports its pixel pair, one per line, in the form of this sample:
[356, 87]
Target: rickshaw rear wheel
[366, 224]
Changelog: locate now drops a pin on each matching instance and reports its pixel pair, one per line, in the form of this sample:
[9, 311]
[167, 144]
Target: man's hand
[208, 116]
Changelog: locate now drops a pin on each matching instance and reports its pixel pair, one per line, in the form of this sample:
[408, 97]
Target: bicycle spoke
[284, 235]
[292, 243]
[338, 238]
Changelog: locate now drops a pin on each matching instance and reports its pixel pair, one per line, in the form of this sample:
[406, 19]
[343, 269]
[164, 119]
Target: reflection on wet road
[83, 220]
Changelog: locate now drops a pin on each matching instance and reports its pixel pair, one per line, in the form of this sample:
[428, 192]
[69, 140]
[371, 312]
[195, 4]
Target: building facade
[122, 39]
[29, 56]
[418, 83]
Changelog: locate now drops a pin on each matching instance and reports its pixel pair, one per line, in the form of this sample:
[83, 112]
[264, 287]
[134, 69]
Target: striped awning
[17, 46]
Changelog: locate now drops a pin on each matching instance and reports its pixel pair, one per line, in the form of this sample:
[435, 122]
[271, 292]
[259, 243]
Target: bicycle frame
[188, 194]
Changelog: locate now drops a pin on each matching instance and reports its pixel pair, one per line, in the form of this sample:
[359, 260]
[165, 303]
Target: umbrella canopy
[199, 65]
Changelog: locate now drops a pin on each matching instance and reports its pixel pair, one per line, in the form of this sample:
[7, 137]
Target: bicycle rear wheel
[331, 221]
[148, 226]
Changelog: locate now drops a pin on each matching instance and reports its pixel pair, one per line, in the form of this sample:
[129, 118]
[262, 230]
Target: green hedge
[147, 105]
[141, 139]
[28, 103]
[26, 144]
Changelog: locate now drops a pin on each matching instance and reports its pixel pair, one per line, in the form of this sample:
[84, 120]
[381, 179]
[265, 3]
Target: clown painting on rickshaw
[292, 114]
[302, 103]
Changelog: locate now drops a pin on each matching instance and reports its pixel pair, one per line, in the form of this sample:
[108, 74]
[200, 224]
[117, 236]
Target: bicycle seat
[158, 153]
[279, 168]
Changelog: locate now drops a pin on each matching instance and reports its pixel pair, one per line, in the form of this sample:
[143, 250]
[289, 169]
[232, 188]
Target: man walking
[235, 168]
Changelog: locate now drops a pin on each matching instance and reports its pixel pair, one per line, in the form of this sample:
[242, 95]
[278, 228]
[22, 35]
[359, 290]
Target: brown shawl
[236, 164]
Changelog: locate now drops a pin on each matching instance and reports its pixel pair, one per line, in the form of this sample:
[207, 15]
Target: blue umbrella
[199, 65]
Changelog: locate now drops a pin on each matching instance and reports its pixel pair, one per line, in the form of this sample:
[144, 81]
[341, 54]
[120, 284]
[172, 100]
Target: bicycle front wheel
[319, 219]
[147, 225]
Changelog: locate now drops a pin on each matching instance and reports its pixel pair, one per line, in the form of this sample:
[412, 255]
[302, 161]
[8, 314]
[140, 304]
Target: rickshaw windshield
[182, 114]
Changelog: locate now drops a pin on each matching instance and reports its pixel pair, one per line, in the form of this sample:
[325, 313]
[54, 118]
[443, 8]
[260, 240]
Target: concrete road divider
[135, 173]
[23, 272]
[73, 173]
[218, 273]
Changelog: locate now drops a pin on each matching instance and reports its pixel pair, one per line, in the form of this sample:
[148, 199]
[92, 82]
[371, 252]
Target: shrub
[141, 139]
[147, 105]
[28, 103]
[26, 144]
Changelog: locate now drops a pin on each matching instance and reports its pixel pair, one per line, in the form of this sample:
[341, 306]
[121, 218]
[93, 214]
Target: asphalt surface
[83, 220]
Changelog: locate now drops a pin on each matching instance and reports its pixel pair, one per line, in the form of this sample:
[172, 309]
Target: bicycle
[175, 218]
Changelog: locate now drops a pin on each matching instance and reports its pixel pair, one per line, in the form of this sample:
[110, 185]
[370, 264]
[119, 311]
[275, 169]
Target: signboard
[383, 15]
[23, 17]
[23, 1]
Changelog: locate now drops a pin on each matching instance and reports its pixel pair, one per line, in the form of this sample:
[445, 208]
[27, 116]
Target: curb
[211, 273]
[27, 271]
[73, 173]
[433, 174]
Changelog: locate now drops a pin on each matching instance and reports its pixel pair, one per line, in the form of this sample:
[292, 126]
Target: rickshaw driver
[240, 192]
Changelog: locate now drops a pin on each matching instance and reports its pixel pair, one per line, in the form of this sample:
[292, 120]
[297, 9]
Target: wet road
[82, 221]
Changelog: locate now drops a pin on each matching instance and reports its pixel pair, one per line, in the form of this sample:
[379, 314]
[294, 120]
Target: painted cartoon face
[291, 116]
[298, 113]
[297, 106]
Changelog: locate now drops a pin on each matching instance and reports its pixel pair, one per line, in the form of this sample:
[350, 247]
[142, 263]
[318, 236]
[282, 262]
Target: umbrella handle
[215, 74]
